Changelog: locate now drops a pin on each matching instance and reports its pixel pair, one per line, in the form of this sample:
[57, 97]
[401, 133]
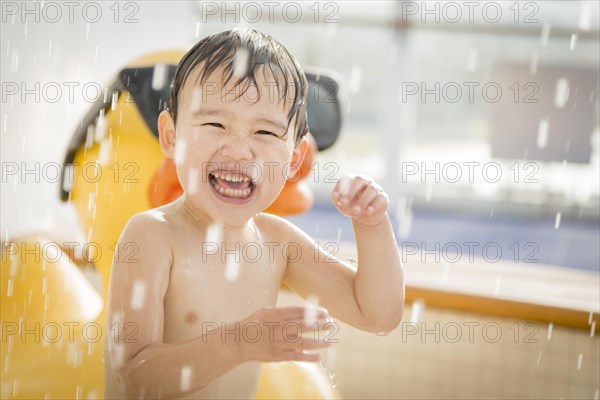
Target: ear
[297, 159]
[166, 133]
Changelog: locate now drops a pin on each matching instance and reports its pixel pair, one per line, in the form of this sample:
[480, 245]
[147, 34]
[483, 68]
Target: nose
[236, 148]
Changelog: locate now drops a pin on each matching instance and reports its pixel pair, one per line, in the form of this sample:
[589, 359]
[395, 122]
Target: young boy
[193, 315]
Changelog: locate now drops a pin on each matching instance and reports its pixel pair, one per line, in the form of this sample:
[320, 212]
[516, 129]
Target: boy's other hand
[286, 334]
[361, 199]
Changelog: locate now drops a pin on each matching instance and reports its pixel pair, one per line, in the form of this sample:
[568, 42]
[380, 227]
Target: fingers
[360, 198]
[290, 332]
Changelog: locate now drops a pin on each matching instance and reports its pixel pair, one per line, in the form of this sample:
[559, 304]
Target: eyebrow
[203, 112]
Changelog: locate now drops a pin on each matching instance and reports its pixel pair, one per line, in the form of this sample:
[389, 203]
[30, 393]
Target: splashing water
[138, 294]
[67, 183]
[99, 130]
[404, 216]
[193, 180]
[114, 100]
[557, 220]
[186, 376]
[198, 29]
[533, 63]
[561, 94]
[117, 354]
[159, 76]
[498, 281]
[240, 62]
[232, 267]
[104, 152]
[416, 312]
[196, 100]
[542, 136]
[355, 77]
[214, 233]
[573, 42]
[585, 16]
[310, 312]
[180, 151]
[545, 35]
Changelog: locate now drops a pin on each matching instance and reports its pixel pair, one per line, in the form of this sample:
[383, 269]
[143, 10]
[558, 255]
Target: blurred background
[480, 119]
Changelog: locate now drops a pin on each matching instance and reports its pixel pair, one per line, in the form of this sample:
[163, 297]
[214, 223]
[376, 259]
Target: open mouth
[232, 186]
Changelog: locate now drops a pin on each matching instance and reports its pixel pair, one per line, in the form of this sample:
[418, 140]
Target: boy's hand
[286, 333]
[360, 198]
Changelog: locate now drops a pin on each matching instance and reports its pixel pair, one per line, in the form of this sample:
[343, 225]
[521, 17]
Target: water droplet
[550, 327]
[497, 289]
[539, 359]
[159, 76]
[9, 290]
[196, 101]
[573, 42]
[138, 293]
[180, 151]
[593, 329]
[214, 233]
[561, 94]
[585, 16]
[355, 77]
[186, 376]
[232, 266]
[193, 176]
[557, 220]
[310, 312]
[198, 30]
[416, 312]
[104, 152]
[545, 35]
[339, 235]
[542, 136]
[492, 213]
[240, 62]
[428, 191]
[579, 361]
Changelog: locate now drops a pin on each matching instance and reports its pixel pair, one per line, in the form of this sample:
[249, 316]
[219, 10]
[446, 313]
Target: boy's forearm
[174, 370]
[379, 283]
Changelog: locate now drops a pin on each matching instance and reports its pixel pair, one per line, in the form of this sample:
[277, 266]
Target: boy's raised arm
[372, 297]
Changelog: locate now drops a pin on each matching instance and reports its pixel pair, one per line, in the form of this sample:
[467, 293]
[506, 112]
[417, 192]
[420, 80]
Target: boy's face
[232, 152]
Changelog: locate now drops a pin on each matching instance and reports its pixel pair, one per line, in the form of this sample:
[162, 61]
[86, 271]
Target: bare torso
[216, 280]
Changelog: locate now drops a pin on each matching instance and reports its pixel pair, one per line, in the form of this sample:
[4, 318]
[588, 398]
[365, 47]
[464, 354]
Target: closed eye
[215, 124]
[263, 132]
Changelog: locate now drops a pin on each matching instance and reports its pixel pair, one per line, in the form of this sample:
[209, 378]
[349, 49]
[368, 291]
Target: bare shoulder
[281, 227]
[148, 235]
[153, 222]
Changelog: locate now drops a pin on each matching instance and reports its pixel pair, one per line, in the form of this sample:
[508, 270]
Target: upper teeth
[231, 177]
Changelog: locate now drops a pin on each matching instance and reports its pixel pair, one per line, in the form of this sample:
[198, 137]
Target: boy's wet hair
[220, 49]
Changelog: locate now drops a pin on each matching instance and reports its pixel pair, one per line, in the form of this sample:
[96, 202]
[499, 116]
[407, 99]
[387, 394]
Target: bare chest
[219, 283]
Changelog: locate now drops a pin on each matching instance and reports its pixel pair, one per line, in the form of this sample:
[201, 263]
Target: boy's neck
[202, 218]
